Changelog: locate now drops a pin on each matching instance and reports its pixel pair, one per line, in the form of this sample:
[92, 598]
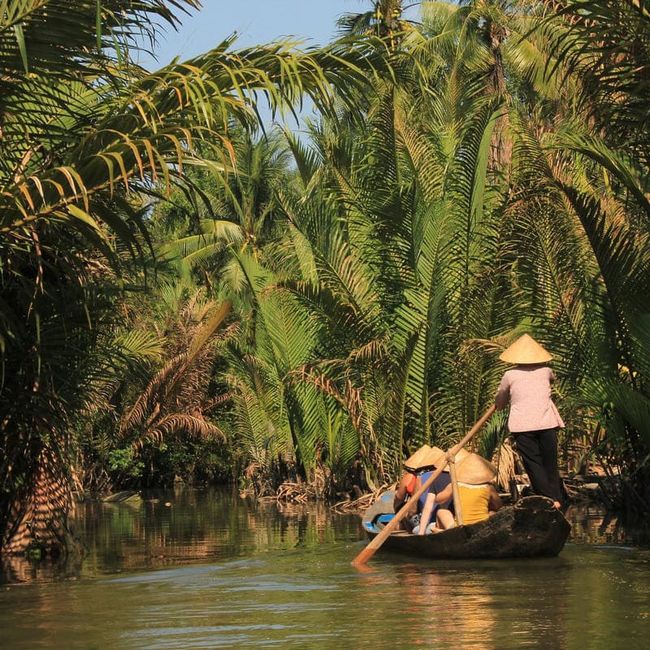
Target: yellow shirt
[474, 502]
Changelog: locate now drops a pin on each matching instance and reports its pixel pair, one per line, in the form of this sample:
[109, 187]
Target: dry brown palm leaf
[179, 423]
[155, 392]
[505, 461]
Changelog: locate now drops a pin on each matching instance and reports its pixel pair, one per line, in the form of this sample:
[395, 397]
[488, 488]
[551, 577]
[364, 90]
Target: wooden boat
[531, 527]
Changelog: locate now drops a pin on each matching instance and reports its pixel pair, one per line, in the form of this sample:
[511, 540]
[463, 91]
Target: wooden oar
[458, 509]
[375, 543]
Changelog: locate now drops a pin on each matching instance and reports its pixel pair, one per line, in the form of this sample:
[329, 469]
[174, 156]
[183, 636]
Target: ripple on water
[257, 577]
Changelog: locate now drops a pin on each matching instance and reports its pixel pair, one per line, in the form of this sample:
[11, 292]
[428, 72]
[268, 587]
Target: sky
[256, 22]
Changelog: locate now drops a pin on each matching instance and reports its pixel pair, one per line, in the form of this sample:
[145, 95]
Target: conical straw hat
[438, 457]
[461, 455]
[474, 469]
[425, 456]
[414, 461]
[525, 350]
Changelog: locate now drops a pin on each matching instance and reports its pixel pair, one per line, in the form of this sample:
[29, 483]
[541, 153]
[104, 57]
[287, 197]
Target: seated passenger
[418, 468]
[478, 496]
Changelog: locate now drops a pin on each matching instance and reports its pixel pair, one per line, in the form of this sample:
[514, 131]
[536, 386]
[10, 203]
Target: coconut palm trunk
[37, 515]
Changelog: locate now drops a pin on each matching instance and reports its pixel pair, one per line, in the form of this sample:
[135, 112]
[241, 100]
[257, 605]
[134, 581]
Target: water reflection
[211, 570]
[185, 526]
[173, 528]
[592, 525]
[427, 596]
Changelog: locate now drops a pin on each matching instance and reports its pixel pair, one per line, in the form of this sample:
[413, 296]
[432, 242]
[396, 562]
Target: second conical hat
[525, 350]
[461, 455]
[475, 470]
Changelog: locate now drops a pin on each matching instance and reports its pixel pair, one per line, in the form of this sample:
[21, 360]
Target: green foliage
[468, 179]
[468, 207]
[88, 137]
[124, 463]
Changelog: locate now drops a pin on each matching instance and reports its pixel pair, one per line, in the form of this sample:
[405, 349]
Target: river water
[205, 569]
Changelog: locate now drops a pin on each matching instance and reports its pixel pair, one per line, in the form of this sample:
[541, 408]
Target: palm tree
[84, 131]
[584, 239]
[384, 20]
[472, 193]
[596, 166]
[607, 45]
[418, 252]
[176, 400]
[390, 250]
[234, 208]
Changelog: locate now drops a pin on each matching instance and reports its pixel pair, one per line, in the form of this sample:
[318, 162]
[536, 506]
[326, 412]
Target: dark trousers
[538, 450]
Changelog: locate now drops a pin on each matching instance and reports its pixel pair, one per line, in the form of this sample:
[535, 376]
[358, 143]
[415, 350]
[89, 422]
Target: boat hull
[532, 527]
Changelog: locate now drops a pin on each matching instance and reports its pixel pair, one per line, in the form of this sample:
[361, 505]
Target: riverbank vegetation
[186, 295]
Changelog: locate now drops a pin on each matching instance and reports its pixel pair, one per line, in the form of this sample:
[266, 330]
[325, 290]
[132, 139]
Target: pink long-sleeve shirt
[528, 389]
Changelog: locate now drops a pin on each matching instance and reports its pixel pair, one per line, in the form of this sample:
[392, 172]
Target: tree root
[290, 492]
[362, 503]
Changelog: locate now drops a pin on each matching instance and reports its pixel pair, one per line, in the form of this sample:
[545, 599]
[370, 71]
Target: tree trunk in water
[39, 515]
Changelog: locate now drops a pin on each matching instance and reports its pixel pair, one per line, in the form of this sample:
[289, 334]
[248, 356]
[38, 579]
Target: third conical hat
[525, 350]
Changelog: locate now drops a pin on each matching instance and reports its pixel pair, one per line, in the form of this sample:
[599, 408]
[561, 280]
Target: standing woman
[534, 420]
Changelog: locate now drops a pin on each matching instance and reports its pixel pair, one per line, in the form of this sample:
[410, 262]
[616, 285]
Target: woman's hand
[445, 495]
[494, 502]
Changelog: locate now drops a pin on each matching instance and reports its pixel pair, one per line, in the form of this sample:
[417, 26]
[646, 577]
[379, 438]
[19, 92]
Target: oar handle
[377, 541]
